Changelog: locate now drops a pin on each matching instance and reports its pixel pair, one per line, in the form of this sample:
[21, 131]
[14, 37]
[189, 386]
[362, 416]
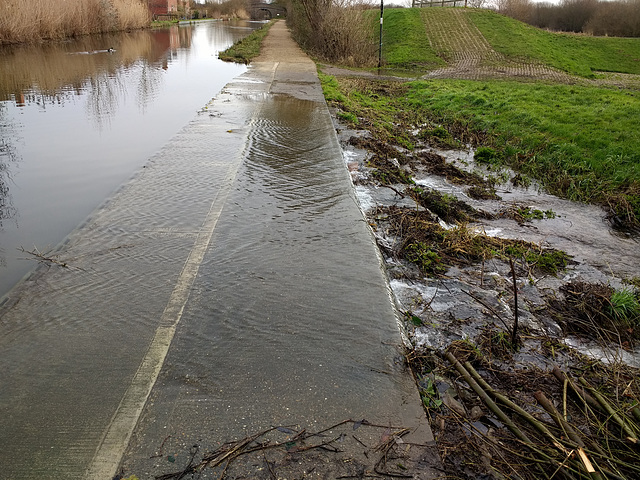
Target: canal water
[77, 120]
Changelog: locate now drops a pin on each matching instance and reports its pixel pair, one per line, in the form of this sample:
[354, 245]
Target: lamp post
[380, 45]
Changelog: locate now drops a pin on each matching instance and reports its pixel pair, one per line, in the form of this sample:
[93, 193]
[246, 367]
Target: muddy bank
[499, 280]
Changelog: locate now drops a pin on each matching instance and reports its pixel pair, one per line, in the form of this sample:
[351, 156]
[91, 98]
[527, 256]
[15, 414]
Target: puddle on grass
[466, 301]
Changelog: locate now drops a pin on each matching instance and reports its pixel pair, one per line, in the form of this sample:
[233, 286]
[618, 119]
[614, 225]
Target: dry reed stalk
[36, 20]
[132, 14]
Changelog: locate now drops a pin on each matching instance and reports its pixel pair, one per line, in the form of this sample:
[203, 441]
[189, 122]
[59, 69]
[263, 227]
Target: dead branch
[46, 258]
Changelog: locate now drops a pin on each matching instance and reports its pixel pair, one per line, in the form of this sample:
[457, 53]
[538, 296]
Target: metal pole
[380, 46]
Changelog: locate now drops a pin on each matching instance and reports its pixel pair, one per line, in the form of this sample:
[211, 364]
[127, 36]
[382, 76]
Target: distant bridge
[266, 11]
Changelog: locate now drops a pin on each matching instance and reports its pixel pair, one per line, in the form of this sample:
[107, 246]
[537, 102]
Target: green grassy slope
[581, 141]
[576, 54]
[405, 41]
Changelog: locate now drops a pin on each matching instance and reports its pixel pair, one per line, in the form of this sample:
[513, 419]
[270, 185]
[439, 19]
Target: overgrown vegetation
[247, 48]
[36, 20]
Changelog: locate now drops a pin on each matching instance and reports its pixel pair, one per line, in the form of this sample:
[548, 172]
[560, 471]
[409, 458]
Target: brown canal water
[76, 120]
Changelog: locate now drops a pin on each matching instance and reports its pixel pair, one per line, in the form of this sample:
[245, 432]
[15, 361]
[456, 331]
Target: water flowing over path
[231, 286]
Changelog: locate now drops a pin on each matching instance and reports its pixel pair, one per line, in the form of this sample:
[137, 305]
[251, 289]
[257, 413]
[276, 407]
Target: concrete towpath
[232, 286]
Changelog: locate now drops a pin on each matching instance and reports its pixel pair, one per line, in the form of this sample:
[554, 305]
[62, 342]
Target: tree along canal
[76, 120]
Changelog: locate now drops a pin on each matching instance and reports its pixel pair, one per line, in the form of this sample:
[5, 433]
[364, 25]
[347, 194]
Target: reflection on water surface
[77, 118]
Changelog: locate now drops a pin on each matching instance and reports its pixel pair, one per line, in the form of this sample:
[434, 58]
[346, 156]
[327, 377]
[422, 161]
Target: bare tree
[621, 19]
[336, 30]
[518, 9]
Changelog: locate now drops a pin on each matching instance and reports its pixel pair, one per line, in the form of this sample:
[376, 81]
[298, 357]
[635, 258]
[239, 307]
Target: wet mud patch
[423, 241]
[486, 269]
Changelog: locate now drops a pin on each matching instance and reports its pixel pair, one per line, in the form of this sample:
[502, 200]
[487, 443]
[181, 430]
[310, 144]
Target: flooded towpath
[231, 286]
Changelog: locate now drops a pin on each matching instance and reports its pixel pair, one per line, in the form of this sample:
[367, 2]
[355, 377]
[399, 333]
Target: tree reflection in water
[81, 115]
[8, 156]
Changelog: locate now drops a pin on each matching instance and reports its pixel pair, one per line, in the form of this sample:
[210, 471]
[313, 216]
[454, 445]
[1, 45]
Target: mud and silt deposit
[504, 369]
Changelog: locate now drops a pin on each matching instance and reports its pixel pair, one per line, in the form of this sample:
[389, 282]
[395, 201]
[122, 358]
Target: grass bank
[164, 23]
[36, 20]
[580, 142]
[576, 54]
[407, 44]
[405, 40]
[246, 49]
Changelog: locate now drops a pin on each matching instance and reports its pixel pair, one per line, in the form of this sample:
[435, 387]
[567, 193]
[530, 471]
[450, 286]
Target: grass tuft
[625, 307]
[247, 48]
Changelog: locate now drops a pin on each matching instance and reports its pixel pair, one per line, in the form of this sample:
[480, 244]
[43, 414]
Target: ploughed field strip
[454, 37]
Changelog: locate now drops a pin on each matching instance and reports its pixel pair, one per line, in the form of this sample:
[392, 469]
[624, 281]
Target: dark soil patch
[447, 207]
[437, 165]
[377, 147]
[623, 210]
[483, 193]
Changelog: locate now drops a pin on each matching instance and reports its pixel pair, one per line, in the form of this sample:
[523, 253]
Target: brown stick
[560, 375]
[487, 400]
[631, 435]
[560, 421]
[514, 332]
[516, 408]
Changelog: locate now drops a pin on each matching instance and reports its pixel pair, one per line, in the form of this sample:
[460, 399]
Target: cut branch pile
[575, 431]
